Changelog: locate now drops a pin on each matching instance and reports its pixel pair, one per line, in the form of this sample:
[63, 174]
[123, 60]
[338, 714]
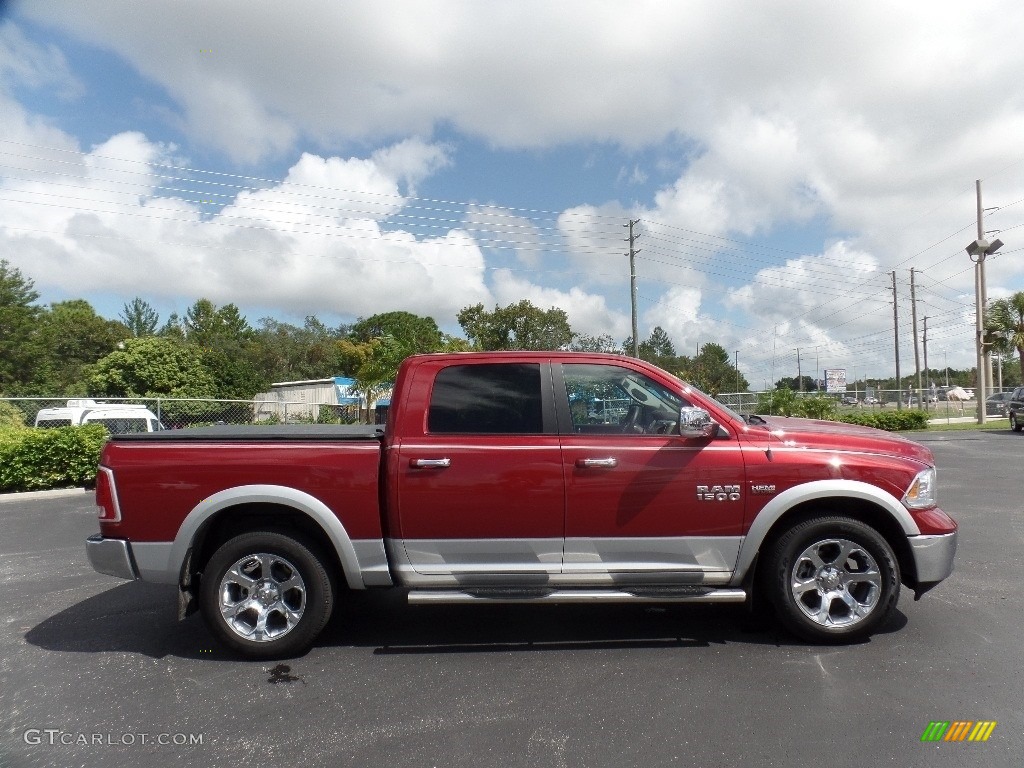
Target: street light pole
[978, 250]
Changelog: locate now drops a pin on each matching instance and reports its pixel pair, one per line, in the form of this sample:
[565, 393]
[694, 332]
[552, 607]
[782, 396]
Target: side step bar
[577, 596]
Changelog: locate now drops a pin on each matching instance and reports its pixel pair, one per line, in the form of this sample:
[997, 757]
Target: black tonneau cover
[257, 433]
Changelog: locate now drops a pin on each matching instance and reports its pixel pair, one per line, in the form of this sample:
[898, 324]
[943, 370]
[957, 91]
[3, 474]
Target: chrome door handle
[430, 463]
[584, 463]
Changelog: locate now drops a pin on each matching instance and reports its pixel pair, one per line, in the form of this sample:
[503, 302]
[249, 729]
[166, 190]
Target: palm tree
[1004, 322]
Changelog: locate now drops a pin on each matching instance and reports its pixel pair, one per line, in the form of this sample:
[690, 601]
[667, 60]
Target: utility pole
[737, 370]
[632, 282]
[896, 336]
[917, 357]
[799, 375]
[924, 344]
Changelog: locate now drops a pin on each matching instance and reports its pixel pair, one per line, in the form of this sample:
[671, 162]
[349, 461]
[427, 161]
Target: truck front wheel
[832, 579]
[266, 594]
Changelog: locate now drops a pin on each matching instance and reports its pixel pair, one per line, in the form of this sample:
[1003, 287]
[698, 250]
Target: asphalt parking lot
[97, 671]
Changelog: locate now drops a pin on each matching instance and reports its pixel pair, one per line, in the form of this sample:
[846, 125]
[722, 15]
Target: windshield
[122, 425]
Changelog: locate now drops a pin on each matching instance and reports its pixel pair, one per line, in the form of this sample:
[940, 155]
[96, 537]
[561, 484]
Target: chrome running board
[568, 596]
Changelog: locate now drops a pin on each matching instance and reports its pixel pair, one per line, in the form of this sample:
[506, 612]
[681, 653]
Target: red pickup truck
[525, 477]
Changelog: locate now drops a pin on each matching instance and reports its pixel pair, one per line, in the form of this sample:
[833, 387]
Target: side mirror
[696, 423]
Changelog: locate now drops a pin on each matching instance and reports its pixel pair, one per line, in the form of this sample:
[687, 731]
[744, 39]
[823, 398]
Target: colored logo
[958, 730]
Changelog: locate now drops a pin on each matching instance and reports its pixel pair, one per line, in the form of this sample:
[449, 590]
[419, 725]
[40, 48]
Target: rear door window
[501, 398]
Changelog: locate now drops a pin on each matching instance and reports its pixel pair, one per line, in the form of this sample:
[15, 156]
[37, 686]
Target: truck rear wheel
[266, 594]
[832, 579]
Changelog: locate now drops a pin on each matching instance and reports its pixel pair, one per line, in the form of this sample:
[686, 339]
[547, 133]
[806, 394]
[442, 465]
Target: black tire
[1015, 425]
[278, 578]
[832, 580]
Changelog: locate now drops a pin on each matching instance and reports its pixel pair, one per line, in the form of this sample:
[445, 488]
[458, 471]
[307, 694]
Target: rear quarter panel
[159, 484]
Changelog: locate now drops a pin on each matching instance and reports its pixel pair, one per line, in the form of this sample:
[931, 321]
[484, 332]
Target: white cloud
[866, 120]
[588, 312]
[313, 244]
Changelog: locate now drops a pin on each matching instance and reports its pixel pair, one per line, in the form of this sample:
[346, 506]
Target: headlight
[921, 493]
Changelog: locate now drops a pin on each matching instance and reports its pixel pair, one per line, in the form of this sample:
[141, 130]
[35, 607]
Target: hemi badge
[762, 490]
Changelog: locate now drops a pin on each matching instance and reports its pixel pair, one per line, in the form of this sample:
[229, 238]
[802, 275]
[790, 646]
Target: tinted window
[47, 423]
[488, 399]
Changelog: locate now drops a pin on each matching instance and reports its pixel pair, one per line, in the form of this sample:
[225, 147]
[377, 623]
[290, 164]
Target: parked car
[1015, 409]
[996, 405]
[872, 401]
[850, 401]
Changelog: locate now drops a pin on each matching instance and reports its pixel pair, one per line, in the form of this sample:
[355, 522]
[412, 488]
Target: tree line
[66, 349]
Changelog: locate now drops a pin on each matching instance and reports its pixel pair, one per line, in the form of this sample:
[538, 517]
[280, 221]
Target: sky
[339, 159]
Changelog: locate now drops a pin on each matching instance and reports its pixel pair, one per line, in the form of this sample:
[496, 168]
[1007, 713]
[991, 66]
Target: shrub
[778, 402]
[818, 407]
[38, 459]
[890, 421]
[11, 415]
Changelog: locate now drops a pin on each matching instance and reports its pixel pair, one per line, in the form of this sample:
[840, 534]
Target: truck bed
[261, 433]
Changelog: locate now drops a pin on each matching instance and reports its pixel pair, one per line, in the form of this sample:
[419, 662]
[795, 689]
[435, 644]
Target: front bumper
[112, 557]
[933, 559]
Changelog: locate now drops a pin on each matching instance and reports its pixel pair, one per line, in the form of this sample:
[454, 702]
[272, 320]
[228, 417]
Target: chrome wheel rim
[262, 597]
[836, 583]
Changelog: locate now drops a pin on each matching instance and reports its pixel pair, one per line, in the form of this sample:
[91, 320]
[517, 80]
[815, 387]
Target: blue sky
[341, 159]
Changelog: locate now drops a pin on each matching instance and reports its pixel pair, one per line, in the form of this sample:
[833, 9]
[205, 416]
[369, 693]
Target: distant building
[317, 400]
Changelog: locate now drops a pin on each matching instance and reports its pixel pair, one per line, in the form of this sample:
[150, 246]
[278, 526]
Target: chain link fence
[937, 405]
[178, 413]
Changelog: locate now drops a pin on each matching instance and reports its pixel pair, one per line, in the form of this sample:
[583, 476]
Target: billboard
[835, 380]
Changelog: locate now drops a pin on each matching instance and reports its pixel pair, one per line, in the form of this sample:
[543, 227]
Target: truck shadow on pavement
[142, 618]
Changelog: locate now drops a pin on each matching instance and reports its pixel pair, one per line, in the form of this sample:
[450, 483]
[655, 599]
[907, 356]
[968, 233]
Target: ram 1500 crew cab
[525, 477]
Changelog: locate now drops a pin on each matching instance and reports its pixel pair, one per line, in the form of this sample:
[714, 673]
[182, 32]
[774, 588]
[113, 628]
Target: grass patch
[991, 424]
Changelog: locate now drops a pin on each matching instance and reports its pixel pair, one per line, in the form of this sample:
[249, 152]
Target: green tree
[228, 349]
[517, 326]
[140, 318]
[658, 349]
[18, 315]
[793, 383]
[1004, 320]
[712, 371]
[416, 334]
[603, 343]
[69, 337]
[286, 352]
[173, 328]
[209, 326]
[153, 367]
[454, 344]
[383, 355]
